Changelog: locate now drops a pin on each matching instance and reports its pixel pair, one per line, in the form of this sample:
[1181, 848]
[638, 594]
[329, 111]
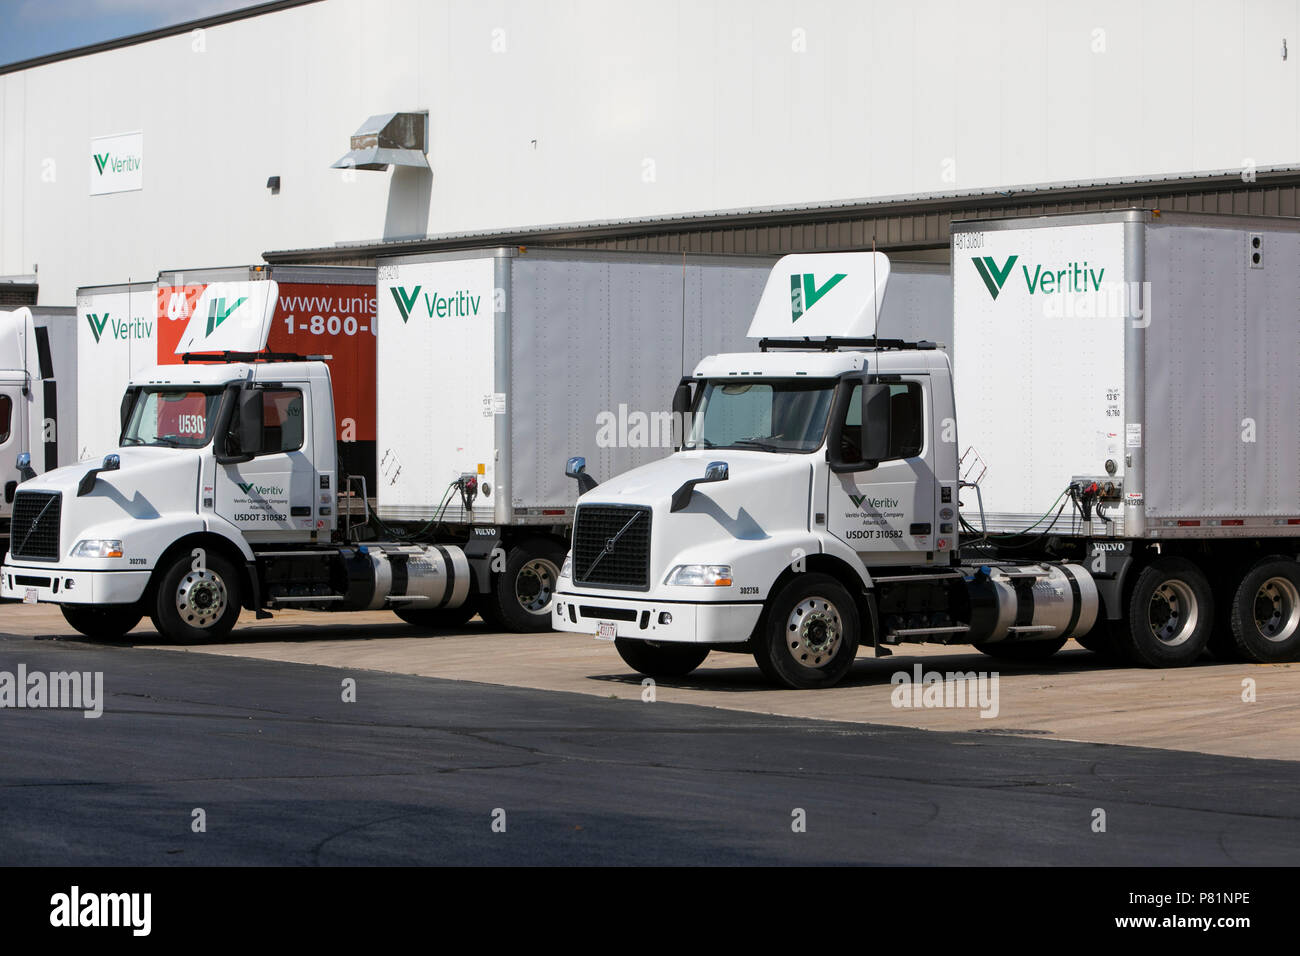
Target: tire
[660, 660]
[522, 594]
[809, 636]
[1170, 614]
[1265, 612]
[103, 623]
[438, 618]
[197, 607]
[1022, 650]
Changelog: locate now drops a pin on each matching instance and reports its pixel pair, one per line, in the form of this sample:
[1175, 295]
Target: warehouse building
[332, 131]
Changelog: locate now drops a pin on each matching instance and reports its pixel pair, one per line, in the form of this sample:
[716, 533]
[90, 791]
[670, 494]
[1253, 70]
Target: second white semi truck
[1116, 459]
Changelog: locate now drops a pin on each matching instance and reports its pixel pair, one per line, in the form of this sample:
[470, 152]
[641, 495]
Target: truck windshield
[770, 415]
[172, 417]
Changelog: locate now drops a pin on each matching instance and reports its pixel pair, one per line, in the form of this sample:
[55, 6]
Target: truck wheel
[810, 635]
[104, 623]
[197, 607]
[522, 594]
[438, 618]
[1265, 613]
[660, 660]
[1022, 650]
[1170, 614]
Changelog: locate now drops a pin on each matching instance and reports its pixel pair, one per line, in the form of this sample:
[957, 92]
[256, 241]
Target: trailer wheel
[104, 623]
[1265, 613]
[522, 594]
[438, 618]
[197, 606]
[810, 633]
[1170, 614]
[660, 660]
[1021, 650]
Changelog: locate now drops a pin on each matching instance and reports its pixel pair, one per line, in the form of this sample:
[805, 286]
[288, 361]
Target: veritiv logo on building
[460, 304]
[122, 164]
[218, 313]
[1073, 277]
[804, 292]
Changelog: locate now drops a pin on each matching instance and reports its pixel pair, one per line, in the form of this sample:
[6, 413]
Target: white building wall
[636, 109]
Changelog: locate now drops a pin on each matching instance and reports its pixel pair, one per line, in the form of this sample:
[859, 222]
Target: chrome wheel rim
[201, 598]
[814, 632]
[1276, 609]
[535, 585]
[1173, 613]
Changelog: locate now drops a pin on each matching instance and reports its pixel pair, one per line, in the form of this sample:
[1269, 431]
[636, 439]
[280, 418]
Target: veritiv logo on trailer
[804, 292]
[218, 313]
[459, 304]
[1073, 277]
[118, 328]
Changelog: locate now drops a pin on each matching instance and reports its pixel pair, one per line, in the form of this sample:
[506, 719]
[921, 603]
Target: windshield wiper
[755, 443]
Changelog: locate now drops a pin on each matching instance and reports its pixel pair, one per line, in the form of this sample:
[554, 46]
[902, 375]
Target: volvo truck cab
[811, 509]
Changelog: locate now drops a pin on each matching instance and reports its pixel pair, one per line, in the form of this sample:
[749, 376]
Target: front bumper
[669, 621]
[61, 586]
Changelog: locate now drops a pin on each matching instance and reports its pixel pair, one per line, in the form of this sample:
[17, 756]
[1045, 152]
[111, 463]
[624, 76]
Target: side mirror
[25, 470]
[252, 413]
[874, 434]
[576, 468]
[682, 398]
[87, 483]
[716, 471]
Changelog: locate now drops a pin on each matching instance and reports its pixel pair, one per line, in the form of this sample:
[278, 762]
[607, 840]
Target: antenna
[875, 307]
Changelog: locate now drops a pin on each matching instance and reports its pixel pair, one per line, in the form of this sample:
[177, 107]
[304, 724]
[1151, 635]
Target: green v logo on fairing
[804, 294]
[218, 313]
[857, 500]
[404, 301]
[245, 486]
[994, 278]
[97, 325]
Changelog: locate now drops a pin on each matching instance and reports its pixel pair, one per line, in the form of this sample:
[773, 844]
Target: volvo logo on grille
[609, 543]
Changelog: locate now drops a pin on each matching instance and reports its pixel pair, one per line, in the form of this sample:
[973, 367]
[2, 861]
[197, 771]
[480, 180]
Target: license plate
[606, 631]
[30, 596]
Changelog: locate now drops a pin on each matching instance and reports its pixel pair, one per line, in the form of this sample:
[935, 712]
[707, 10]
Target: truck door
[272, 494]
[886, 514]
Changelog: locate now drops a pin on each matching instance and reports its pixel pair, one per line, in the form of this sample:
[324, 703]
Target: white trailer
[1129, 368]
[117, 338]
[491, 366]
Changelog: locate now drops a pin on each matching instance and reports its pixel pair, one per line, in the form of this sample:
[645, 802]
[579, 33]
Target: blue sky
[31, 28]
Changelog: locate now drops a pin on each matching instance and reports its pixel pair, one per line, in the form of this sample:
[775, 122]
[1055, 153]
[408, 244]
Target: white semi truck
[839, 490]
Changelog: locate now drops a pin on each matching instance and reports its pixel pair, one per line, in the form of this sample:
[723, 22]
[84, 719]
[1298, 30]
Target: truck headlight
[98, 548]
[566, 569]
[701, 575]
